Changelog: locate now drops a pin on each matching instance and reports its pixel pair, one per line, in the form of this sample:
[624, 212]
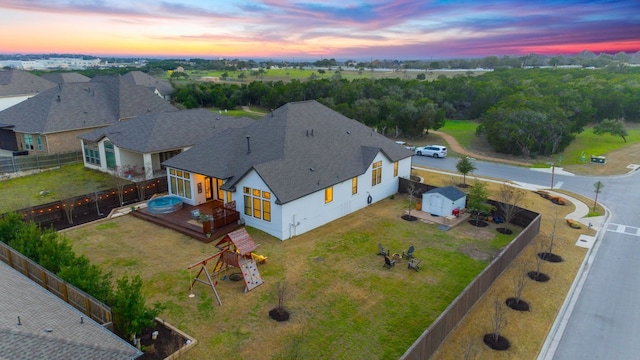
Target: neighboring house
[297, 168]
[35, 324]
[161, 87]
[65, 77]
[442, 201]
[51, 121]
[138, 146]
[17, 86]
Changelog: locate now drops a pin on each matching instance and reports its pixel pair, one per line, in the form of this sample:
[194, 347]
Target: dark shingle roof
[17, 83]
[146, 80]
[66, 77]
[50, 328]
[298, 149]
[166, 131]
[73, 106]
[450, 192]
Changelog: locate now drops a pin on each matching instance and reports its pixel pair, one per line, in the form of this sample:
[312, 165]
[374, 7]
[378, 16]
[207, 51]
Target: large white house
[299, 167]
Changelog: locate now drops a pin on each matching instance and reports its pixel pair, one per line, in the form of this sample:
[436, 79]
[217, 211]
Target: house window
[180, 182]
[39, 143]
[257, 203]
[91, 153]
[229, 199]
[28, 141]
[376, 173]
[328, 194]
[219, 183]
[354, 186]
[109, 155]
[395, 169]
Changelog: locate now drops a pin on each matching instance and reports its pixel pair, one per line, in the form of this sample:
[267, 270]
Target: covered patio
[225, 219]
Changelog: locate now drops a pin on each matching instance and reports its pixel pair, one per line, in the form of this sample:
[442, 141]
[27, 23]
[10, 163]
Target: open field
[343, 303]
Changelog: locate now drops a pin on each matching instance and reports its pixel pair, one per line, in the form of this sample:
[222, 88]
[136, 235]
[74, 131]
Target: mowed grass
[463, 130]
[344, 304]
[60, 183]
[587, 143]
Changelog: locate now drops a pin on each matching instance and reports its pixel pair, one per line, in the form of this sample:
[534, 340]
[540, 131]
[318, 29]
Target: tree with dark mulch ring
[550, 257]
[280, 313]
[494, 339]
[500, 343]
[478, 223]
[409, 217]
[519, 305]
[538, 276]
[504, 230]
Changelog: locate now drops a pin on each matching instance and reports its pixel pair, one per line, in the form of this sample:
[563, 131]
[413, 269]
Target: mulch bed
[538, 276]
[409, 218]
[166, 343]
[478, 223]
[517, 305]
[550, 257]
[501, 344]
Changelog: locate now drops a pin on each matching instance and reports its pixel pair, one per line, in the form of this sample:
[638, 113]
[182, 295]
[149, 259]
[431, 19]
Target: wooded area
[524, 112]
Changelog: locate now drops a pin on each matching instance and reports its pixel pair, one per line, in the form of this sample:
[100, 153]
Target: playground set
[236, 250]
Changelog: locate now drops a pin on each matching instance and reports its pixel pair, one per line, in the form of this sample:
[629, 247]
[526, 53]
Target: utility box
[598, 159]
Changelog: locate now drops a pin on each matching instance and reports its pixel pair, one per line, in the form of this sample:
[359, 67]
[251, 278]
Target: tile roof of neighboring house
[144, 79]
[297, 149]
[450, 192]
[73, 106]
[66, 77]
[50, 328]
[166, 131]
[20, 83]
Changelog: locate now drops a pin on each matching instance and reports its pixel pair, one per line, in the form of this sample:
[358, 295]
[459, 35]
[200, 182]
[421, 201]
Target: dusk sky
[316, 29]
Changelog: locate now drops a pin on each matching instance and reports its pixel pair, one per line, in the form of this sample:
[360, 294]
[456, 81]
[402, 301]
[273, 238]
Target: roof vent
[311, 132]
[311, 169]
[307, 132]
[348, 132]
[58, 98]
[248, 144]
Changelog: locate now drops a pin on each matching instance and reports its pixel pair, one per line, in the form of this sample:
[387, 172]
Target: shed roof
[450, 192]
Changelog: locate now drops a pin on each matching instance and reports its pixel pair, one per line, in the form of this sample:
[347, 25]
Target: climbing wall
[250, 273]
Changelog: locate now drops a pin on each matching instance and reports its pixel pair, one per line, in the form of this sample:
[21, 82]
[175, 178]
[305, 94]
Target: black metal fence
[16, 164]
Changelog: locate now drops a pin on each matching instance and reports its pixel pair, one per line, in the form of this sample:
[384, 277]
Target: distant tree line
[524, 112]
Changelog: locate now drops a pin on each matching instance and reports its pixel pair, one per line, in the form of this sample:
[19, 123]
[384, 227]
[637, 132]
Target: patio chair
[388, 263]
[409, 254]
[382, 251]
[413, 264]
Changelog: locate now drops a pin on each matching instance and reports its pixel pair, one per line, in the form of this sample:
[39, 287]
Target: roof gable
[73, 106]
[450, 192]
[166, 131]
[66, 77]
[21, 83]
[297, 149]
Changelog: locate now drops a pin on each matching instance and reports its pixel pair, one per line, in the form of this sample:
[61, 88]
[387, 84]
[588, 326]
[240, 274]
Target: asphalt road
[604, 318]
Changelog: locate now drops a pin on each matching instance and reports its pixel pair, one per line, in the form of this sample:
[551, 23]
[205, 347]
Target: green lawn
[463, 130]
[587, 144]
[64, 182]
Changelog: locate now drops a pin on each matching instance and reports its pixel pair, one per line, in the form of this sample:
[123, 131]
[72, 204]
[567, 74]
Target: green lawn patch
[587, 144]
[464, 131]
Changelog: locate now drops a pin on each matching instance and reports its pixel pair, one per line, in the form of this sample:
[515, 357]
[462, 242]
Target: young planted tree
[280, 312]
[464, 167]
[413, 192]
[548, 254]
[477, 203]
[540, 245]
[130, 311]
[68, 205]
[519, 283]
[494, 339]
[510, 203]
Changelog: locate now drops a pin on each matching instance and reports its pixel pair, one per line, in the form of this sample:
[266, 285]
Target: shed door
[436, 205]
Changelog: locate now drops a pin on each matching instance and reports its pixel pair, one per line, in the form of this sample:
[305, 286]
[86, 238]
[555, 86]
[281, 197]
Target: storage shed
[442, 201]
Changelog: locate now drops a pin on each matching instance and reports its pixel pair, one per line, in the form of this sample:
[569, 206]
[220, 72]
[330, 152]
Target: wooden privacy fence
[80, 300]
[16, 164]
[435, 334]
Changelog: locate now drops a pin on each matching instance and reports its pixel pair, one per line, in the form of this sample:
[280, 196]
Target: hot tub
[164, 204]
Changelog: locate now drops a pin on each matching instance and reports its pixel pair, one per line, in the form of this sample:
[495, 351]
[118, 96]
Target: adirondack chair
[382, 251]
[388, 263]
[409, 254]
[415, 265]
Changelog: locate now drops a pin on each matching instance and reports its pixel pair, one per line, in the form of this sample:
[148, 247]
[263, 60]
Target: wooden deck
[183, 222]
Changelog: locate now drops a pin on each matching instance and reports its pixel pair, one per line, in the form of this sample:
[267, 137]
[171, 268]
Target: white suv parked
[436, 151]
